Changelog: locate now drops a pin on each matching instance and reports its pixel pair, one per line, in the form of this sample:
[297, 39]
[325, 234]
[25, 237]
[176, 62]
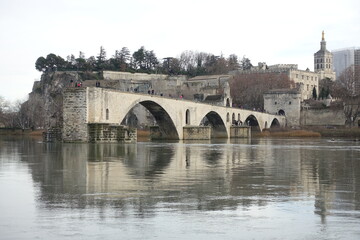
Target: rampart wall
[321, 117]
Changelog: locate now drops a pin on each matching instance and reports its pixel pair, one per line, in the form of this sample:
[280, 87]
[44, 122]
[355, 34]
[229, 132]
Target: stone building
[212, 89]
[323, 61]
[284, 102]
[303, 80]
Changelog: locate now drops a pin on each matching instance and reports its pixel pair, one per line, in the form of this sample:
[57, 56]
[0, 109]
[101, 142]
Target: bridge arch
[164, 121]
[275, 123]
[252, 121]
[218, 128]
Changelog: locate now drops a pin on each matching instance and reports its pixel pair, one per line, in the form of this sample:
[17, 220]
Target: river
[263, 188]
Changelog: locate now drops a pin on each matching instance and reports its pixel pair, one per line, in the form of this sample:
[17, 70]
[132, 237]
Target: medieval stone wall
[110, 75]
[321, 117]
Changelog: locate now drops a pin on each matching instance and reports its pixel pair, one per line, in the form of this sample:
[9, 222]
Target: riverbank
[318, 131]
[310, 132]
[27, 132]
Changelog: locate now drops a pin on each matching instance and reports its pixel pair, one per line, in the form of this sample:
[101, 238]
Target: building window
[302, 76]
[107, 114]
[307, 77]
[312, 78]
[297, 75]
[275, 103]
[289, 102]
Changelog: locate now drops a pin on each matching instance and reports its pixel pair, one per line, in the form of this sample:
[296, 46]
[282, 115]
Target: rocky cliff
[46, 98]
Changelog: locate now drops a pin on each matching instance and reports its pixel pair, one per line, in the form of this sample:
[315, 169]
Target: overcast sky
[276, 31]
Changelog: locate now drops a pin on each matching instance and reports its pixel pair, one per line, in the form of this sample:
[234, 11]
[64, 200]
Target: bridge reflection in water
[253, 188]
[197, 174]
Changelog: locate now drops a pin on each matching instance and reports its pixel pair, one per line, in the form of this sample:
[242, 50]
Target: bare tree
[351, 109]
[4, 107]
[347, 80]
[345, 89]
[247, 89]
[20, 114]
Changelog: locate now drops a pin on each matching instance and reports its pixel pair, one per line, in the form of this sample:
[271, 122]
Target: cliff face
[46, 98]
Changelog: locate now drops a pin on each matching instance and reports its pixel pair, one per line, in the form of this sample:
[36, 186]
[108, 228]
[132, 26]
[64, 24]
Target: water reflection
[141, 179]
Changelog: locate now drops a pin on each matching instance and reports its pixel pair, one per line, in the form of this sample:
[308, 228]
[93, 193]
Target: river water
[244, 189]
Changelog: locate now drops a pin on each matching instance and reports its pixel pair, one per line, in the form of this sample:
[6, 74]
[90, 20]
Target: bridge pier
[197, 133]
[104, 132]
[240, 132]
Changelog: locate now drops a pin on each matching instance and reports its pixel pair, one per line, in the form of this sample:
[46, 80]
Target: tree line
[190, 63]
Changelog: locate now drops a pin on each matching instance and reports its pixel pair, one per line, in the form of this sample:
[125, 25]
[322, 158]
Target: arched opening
[253, 123]
[233, 122]
[238, 117]
[156, 118]
[228, 102]
[131, 120]
[275, 123]
[218, 129]
[281, 112]
[187, 117]
[266, 125]
[107, 114]
[139, 117]
[227, 117]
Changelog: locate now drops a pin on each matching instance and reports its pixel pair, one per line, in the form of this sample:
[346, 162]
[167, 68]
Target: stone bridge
[176, 118]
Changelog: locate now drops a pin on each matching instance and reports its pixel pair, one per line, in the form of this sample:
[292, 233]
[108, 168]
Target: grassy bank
[311, 132]
[287, 133]
[27, 132]
[338, 132]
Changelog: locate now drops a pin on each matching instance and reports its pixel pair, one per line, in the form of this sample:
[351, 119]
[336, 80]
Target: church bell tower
[323, 59]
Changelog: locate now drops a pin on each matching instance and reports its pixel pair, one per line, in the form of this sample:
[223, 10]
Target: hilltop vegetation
[189, 63]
